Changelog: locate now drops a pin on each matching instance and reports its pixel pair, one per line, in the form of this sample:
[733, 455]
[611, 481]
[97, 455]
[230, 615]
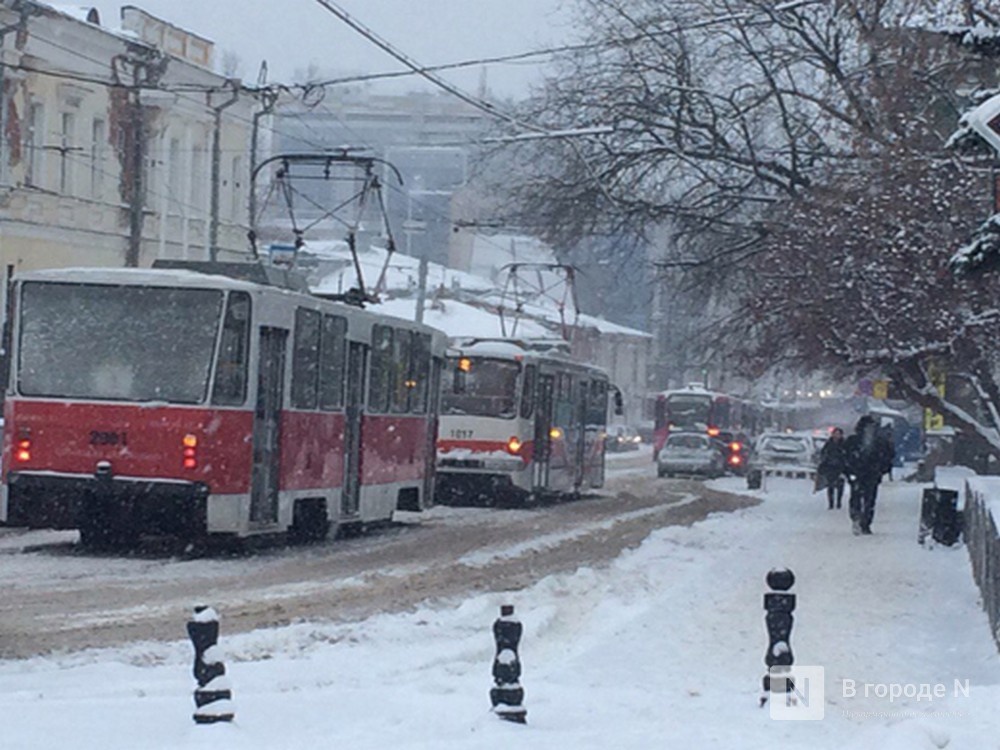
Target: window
[175, 175]
[124, 343]
[401, 352]
[231, 364]
[34, 145]
[481, 387]
[98, 157]
[198, 180]
[528, 392]
[420, 373]
[333, 354]
[66, 138]
[597, 403]
[380, 384]
[305, 359]
[236, 207]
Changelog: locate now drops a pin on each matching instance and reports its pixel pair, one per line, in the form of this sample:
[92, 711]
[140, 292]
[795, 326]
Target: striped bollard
[213, 698]
[508, 695]
[779, 605]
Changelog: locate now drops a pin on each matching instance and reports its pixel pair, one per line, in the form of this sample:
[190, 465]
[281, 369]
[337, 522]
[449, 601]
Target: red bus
[182, 403]
[697, 409]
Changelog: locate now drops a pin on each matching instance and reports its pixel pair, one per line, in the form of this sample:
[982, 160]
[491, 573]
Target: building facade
[118, 146]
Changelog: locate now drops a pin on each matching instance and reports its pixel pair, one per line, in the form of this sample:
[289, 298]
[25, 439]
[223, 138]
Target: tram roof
[520, 349]
[137, 276]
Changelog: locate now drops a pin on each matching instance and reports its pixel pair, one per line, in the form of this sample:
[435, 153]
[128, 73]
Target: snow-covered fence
[982, 513]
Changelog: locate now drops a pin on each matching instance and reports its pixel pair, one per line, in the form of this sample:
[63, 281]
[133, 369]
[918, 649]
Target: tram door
[267, 426]
[579, 429]
[433, 406]
[350, 497]
[544, 406]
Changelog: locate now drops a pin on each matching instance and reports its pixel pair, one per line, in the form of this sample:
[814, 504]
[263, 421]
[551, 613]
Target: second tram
[520, 420]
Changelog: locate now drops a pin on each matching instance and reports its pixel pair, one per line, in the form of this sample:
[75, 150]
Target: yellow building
[107, 139]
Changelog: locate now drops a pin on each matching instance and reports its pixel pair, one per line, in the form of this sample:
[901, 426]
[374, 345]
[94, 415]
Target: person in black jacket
[867, 460]
[832, 466]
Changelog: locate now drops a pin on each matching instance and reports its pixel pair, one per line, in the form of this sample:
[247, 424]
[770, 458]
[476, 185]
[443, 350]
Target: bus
[520, 420]
[697, 409]
[173, 402]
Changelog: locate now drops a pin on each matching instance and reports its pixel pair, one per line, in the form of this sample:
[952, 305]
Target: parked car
[781, 452]
[690, 453]
[622, 438]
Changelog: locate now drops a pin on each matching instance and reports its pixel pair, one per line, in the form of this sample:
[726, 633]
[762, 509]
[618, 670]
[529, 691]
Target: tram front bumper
[61, 501]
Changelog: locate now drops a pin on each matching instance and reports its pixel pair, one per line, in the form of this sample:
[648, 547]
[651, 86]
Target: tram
[146, 401]
[520, 420]
[697, 409]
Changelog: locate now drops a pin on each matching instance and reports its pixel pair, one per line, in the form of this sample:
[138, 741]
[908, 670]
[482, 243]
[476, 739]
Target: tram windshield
[122, 343]
[689, 412]
[481, 387]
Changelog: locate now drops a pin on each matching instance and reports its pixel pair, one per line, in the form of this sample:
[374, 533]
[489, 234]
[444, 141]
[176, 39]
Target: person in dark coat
[832, 466]
[866, 452]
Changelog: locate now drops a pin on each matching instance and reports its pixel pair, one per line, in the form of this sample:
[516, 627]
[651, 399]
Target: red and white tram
[519, 420]
[177, 402]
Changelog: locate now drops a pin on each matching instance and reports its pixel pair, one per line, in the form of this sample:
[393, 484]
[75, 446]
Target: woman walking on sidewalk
[832, 466]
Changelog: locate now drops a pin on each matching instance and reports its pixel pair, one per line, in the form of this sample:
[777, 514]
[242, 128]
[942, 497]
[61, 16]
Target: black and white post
[213, 698]
[508, 695]
[779, 605]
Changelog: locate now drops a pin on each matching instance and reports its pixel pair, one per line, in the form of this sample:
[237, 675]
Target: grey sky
[291, 34]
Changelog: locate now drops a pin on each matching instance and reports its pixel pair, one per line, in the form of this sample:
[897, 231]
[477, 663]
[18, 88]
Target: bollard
[779, 621]
[508, 695]
[213, 698]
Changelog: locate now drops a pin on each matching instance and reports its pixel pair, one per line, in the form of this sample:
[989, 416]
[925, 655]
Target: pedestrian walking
[833, 466]
[866, 453]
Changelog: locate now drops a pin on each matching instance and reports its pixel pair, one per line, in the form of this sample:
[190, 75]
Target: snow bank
[662, 648]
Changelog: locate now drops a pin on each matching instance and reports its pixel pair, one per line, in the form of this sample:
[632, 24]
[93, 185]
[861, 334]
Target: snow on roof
[401, 274]
[457, 319]
[146, 276]
[79, 12]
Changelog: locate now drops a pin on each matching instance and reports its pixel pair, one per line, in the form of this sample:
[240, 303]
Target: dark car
[690, 453]
[622, 438]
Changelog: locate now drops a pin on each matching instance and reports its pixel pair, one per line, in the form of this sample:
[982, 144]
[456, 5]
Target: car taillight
[735, 447]
[735, 459]
[514, 446]
[713, 431]
[190, 443]
[23, 450]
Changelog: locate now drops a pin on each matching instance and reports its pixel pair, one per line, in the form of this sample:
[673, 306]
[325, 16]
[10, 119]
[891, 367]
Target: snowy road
[55, 598]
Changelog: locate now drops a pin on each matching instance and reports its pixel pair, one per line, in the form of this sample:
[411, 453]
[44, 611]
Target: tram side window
[528, 392]
[333, 354]
[597, 404]
[305, 359]
[420, 373]
[380, 383]
[564, 401]
[401, 351]
[230, 387]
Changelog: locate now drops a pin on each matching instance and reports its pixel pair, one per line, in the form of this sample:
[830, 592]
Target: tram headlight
[514, 446]
[555, 433]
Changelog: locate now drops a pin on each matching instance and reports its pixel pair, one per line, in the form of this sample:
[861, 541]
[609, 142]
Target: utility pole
[147, 67]
[268, 100]
[213, 225]
[21, 29]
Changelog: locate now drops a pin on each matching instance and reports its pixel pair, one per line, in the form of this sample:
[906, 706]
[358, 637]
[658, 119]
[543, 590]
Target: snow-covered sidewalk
[663, 648]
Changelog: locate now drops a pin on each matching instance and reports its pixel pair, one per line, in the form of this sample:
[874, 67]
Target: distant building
[96, 170]
[427, 137]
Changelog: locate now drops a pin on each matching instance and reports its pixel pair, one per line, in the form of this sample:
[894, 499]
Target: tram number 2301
[461, 434]
[98, 437]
